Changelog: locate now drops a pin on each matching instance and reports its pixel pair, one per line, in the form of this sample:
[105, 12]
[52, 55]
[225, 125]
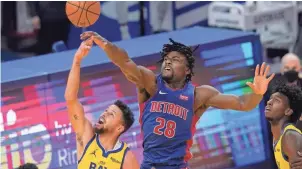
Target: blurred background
[38, 43]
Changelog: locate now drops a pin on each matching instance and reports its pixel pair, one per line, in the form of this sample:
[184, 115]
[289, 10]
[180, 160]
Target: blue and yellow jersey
[96, 157]
[281, 159]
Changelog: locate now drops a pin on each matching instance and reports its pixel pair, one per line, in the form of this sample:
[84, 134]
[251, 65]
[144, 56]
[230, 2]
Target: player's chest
[280, 161]
[103, 160]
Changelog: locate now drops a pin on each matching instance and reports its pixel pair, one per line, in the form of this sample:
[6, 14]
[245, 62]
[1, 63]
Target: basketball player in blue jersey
[282, 111]
[98, 146]
[171, 105]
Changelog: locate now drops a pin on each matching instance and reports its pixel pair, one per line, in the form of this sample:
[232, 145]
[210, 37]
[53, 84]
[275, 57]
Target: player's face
[277, 107]
[110, 121]
[174, 67]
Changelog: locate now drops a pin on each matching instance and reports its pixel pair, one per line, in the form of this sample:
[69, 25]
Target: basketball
[83, 13]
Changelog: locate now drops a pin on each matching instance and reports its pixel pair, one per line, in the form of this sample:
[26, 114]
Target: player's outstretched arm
[242, 103]
[80, 124]
[130, 161]
[138, 75]
[292, 147]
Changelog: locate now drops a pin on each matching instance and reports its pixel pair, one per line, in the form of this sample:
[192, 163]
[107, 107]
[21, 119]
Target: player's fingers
[262, 69]
[266, 70]
[86, 35]
[257, 70]
[296, 164]
[250, 85]
[271, 77]
[89, 41]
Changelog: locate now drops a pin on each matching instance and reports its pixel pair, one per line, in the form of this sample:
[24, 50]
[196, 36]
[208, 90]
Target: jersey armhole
[127, 149]
[85, 149]
[142, 105]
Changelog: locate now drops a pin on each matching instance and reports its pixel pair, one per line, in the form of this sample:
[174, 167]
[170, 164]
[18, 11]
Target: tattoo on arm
[80, 139]
[76, 117]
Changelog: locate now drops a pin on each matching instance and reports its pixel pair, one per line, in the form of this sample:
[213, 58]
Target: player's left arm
[228, 101]
[292, 147]
[130, 161]
[242, 103]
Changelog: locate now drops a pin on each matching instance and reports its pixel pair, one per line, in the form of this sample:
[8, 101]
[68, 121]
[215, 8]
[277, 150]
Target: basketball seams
[87, 9]
[84, 8]
[90, 5]
[75, 12]
[81, 15]
[87, 18]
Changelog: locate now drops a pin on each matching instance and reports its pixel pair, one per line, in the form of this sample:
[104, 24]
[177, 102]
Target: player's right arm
[142, 77]
[81, 126]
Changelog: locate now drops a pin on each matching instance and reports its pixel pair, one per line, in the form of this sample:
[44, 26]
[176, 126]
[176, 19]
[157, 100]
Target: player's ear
[289, 112]
[188, 71]
[121, 128]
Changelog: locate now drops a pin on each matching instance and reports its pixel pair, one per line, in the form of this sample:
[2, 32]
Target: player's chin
[99, 126]
[167, 75]
[269, 118]
[98, 130]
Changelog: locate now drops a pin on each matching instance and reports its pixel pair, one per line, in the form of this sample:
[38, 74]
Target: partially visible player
[282, 111]
[98, 146]
[28, 166]
[171, 105]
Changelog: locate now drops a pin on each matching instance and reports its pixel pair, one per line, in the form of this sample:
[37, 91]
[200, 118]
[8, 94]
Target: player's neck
[277, 128]
[175, 85]
[108, 140]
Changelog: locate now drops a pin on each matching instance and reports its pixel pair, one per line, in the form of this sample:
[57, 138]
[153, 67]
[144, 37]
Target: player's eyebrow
[113, 112]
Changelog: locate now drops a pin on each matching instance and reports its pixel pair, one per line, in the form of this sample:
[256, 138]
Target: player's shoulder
[292, 127]
[129, 153]
[292, 133]
[130, 160]
[291, 140]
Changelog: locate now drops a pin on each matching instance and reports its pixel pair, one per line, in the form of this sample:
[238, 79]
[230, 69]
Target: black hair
[28, 166]
[294, 96]
[183, 49]
[128, 116]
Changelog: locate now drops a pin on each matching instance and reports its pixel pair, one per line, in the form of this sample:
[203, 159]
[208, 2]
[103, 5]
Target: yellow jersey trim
[104, 153]
[86, 147]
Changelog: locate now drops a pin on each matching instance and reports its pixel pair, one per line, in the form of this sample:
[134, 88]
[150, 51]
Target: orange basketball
[83, 13]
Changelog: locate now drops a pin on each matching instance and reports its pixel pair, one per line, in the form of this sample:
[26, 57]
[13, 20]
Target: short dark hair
[294, 96]
[183, 49]
[28, 166]
[128, 116]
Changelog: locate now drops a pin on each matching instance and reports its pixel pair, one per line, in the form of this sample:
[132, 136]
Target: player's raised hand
[84, 48]
[98, 39]
[260, 84]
